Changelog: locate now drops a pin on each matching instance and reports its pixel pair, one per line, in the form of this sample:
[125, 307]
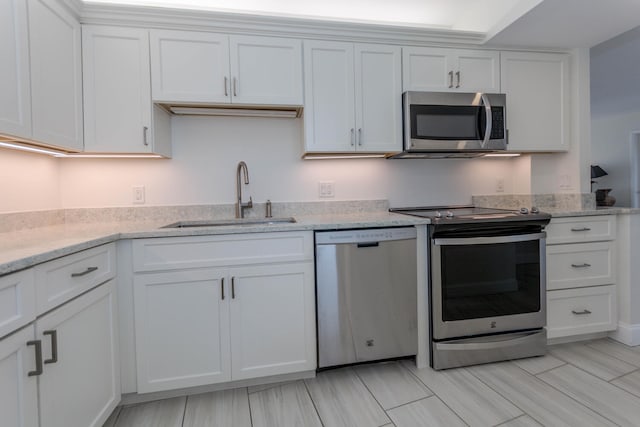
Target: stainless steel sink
[227, 222]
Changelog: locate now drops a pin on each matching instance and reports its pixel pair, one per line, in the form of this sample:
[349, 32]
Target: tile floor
[595, 383]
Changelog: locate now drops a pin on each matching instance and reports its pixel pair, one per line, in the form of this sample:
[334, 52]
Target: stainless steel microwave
[445, 124]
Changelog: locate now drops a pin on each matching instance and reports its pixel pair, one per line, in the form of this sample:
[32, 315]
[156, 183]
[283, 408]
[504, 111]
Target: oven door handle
[489, 240]
[508, 340]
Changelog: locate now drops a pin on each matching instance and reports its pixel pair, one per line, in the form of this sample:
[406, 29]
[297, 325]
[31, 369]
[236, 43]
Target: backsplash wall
[206, 151]
[28, 182]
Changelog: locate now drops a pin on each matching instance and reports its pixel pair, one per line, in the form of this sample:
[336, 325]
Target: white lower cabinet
[80, 385]
[272, 320]
[581, 276]
[182, 329]
[65, 364]
[581, 311]
[18, 389]
[224, 323]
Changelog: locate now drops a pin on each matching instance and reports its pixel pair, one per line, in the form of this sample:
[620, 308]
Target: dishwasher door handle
[369, 245]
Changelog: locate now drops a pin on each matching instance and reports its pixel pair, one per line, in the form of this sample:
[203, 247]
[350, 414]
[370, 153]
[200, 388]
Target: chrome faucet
[239, 205]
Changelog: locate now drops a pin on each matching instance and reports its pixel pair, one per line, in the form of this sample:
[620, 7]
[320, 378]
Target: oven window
[490, 280]
[444, 122]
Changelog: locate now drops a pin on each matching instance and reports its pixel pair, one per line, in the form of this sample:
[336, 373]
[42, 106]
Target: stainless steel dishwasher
[366, 290]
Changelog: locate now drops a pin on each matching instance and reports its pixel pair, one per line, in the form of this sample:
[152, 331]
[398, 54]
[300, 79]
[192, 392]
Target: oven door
[487, 285]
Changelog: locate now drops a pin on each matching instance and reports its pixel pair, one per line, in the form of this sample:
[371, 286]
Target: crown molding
[241, 23]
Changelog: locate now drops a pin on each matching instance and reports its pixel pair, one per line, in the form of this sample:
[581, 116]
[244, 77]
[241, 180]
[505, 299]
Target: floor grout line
[313, 402]
[574, 399]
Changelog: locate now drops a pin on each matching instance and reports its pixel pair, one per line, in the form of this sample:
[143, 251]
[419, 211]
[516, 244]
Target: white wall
[206, 151]
[28, 182]
[615, 110]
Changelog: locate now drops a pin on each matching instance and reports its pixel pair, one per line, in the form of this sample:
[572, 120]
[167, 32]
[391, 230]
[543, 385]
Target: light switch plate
[326, 189]
[138, 194]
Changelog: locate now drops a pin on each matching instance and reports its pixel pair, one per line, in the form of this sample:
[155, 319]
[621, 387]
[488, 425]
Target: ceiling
[539, 23]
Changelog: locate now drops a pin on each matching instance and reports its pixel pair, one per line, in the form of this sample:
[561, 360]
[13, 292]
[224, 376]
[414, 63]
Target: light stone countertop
[26, 248]
[559, 213]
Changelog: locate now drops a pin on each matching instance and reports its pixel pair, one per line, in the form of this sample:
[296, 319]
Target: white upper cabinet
[538, 100]
[212, 68]
[15, 96]
[353, 97]
[56, 75]
[118, 113]
[378, 91]
[456, 70]
[40, 75]
[189, 66]
[266, 70]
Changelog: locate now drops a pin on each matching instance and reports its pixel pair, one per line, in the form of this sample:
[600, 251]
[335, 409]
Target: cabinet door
[189, 66]
[272, 320]
[538, 103]
[329, 111]
[15, 96]
[427, 69]
[378, 96]
[182, 329]
[81, 387]
[56, 75]
[477, 71]
[18, 390]
[117, 98]
[266, 70]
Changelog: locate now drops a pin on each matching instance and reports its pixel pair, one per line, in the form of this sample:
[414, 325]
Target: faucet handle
[250, 202]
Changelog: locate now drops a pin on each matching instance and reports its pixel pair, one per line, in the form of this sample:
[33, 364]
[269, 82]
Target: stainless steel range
[487, 284]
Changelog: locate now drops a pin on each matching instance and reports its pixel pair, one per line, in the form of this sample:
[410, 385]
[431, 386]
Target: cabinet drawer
[222, 250]
[581, 229]
[579, 265]
[64, 278]
[581, 311]
[17, 301]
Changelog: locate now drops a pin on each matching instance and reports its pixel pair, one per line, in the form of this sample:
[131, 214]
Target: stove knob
[534, 210]
[449, 214]
[524, 211]
[438, 214]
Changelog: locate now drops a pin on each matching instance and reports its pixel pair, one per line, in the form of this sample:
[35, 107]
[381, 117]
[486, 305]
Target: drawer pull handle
[87, 271]
[581, 229]
[580, 313]
[38, 350]
[54, 346]
[233, 288]
[222, 288]
[583, 265]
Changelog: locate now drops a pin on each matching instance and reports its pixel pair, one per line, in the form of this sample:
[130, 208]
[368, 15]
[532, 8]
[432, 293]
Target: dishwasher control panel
[364, 235]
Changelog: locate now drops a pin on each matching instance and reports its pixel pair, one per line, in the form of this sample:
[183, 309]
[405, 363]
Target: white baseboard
[627, 334]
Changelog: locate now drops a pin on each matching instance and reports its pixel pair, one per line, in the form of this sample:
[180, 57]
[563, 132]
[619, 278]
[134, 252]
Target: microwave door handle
[489, 119]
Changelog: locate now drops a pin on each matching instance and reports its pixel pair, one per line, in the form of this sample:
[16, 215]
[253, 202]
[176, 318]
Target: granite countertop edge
[23, 249]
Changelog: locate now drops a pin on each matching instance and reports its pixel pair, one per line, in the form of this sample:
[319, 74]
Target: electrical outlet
[138, 194]
[500, 185]
[326, 189]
